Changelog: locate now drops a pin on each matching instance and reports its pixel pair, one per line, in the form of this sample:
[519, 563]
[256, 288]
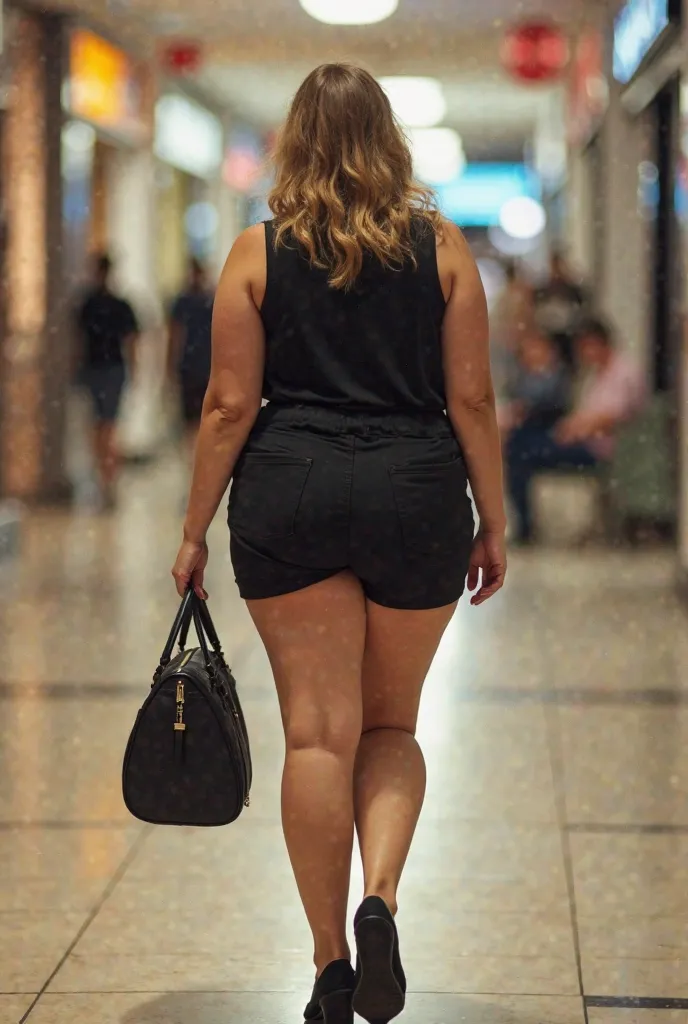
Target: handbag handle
[207, 625]
[191, 608]
[186, 625]
[179, 626]
[206, 631]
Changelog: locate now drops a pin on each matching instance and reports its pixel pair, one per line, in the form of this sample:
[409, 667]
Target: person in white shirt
[613, 393]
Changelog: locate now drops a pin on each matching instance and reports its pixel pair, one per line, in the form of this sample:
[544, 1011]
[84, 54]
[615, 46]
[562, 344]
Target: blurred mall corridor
[548, 883]
[551, 853]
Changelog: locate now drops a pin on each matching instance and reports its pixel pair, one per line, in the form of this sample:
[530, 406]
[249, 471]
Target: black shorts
[316, 491]
[192, 394]
[105, 385]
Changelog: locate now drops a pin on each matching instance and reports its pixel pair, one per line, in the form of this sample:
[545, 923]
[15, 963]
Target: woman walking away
[359, 315]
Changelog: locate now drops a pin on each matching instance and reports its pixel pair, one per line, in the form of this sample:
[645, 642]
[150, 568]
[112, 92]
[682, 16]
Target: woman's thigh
[315, 639]
[399, 648]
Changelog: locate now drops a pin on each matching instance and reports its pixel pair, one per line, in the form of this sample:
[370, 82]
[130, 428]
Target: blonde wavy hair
[344, 180]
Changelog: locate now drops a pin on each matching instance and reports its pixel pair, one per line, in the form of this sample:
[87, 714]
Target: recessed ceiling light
[522, 217]
[417, 102]
[438, 155]
[350, 12]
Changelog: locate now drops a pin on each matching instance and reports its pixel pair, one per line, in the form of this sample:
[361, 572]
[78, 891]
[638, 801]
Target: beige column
[25, 200]
[227, 203]
[34, 361]
[627, 233]
[580, 212]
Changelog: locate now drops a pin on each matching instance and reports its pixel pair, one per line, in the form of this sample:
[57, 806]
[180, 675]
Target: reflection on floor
[551, 860]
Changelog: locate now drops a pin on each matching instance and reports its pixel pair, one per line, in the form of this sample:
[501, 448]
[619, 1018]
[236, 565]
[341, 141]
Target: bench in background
[638, 486]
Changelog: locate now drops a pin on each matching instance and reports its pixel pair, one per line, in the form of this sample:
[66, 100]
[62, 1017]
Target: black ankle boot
[331, 999]
[380, 992]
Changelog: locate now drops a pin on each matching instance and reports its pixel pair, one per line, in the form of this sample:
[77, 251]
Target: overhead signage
[188, 136]
[588, 91]
[535, 52]
[478, 195]
[103, 85]
[182, 58]
[638, 29]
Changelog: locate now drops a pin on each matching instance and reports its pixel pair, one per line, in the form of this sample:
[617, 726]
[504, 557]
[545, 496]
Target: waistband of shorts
[335, 422]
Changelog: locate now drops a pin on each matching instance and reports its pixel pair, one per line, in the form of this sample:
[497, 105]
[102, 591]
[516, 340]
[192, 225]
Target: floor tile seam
[111, 690]
[55, 994]
[614, 919]
[557, 767]
[58, 689]
[607, 958]
[638, 1002]
[623, 828]
[118, 874]
[501, 957]
[64, 826]
[557, 917]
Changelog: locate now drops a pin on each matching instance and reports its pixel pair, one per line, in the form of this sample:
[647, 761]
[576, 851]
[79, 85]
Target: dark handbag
[188, 760]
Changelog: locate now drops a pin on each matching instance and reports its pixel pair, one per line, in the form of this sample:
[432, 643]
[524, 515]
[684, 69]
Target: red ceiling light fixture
[181, 57]
[535, 52]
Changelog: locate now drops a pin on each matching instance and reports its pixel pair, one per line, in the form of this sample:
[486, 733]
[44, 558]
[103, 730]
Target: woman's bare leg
[314, 639]
[389, 780]
[107, 460]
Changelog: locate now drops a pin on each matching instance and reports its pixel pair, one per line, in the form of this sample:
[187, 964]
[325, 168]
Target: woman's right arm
[471, 400]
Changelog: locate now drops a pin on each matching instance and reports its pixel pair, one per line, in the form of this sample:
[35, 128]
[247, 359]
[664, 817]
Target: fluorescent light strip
[350, 12]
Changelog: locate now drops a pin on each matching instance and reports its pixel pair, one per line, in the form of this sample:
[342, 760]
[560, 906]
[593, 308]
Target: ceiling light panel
[417, 102]
[438, 155]
[350, 12]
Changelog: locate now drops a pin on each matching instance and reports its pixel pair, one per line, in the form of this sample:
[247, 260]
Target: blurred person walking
[189, 346]
[108, 333]
[360, 316]
[614, 391]
[560, 304]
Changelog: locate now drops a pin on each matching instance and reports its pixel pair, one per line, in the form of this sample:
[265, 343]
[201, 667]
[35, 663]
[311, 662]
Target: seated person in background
[511, 317]
[613, 393]
[538, 389]
[559, 304]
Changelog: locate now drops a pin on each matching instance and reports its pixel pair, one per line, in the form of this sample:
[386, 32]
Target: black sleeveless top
[375, 347]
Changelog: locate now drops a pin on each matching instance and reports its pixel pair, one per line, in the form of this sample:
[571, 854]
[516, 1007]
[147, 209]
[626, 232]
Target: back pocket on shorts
[266, 494]
[433, 506]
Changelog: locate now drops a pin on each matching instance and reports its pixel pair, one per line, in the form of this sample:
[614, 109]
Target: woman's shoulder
[252, 238]
[450, 236]
[248, 249]
[453, 251]
[247, 257]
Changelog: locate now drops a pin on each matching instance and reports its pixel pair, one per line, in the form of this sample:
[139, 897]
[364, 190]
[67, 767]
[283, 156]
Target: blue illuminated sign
[637, 27]
[476, 198]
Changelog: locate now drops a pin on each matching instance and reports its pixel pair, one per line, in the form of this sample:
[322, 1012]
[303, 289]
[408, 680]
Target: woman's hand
[510, 416]
[189, 568]
[574, 429]
[489, 557]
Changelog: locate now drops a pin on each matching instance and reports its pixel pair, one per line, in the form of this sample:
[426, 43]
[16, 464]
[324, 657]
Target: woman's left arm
[232, 400]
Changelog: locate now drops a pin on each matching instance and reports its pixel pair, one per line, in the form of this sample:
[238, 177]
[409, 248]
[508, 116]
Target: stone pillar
[131, 235]
[580, 213]
[132, 240]
[227, 203]
[58, 338]
[627, 263]
[35, 362]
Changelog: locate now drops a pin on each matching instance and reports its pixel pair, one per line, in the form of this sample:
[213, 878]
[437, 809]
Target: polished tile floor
[551, 862]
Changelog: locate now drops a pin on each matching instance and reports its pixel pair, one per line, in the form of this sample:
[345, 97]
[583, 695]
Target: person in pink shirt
[613, 393]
